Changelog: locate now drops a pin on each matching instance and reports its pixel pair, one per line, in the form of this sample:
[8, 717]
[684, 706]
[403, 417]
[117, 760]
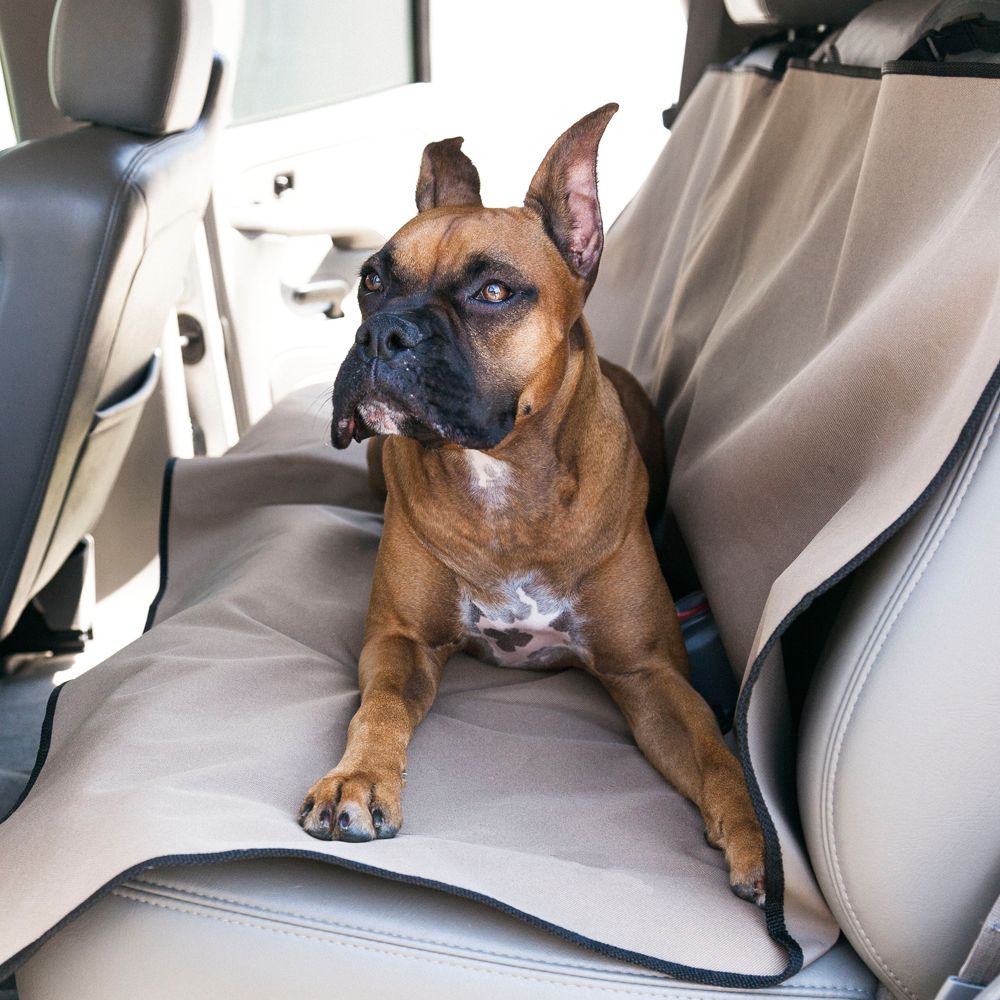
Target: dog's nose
[385, 335]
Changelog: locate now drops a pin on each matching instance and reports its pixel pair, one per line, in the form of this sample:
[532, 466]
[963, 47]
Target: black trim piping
[836, 69]
[168, 482]
[970, 69]
[896, 67]
[701, 976]
[748, 70]
[774, 909]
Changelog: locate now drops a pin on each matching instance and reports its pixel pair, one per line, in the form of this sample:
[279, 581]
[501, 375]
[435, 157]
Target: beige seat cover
[808, 284]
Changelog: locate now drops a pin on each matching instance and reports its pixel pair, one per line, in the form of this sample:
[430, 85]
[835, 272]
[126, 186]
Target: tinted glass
[301, 54]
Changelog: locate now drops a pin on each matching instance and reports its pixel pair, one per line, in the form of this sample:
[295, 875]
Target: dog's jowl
[517, 467]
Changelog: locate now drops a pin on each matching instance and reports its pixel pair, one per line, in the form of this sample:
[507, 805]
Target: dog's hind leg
[638, 655]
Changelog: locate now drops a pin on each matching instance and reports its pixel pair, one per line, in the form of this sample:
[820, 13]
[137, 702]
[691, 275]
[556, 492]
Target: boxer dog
[511, 461]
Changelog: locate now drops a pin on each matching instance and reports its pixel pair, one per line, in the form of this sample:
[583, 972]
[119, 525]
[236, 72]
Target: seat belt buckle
[954, 988]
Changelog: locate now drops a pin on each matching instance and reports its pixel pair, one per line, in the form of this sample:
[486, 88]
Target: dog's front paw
[354, 806]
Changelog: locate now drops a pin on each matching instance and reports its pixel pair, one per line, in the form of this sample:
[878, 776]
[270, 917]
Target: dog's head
[465, 308]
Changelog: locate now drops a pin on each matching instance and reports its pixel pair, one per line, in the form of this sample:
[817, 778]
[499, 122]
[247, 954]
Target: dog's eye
[373, 282]
[494, 291]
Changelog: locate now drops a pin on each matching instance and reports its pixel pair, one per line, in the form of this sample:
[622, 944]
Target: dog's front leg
[412, 629]
[360, 799]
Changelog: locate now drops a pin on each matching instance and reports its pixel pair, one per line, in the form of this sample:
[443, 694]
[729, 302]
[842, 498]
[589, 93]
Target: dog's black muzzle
[411, 365]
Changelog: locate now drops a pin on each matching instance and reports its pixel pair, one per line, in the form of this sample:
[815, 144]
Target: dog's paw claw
[316, 822]
[354, 824]
[752, 892]
[384, 830]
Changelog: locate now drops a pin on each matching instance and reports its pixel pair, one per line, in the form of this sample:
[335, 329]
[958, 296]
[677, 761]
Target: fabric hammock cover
[807, 284]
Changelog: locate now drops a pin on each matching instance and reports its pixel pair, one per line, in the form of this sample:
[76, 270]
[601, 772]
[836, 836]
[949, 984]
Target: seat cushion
[525, 789]
[300, 929]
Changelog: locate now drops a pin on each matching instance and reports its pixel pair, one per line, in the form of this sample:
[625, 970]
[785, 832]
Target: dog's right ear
[447, 177]
[564, 193]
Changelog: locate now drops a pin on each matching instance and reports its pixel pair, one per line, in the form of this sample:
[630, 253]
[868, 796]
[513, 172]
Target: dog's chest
[523, 624]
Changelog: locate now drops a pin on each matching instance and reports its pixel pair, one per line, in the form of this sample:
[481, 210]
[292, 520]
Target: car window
[301, 54]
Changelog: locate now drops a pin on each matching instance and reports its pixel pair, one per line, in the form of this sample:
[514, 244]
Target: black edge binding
[904, 67]
[168, 482]
[835, 69]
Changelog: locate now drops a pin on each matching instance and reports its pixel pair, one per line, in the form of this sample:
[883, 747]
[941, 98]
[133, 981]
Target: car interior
[802, 269]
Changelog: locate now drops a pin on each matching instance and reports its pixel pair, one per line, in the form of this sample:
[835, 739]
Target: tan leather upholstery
[899, 755]
[141, 65]
[96, 227]
[283, 928]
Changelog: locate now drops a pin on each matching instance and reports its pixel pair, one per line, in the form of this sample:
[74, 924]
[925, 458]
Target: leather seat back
[96, 227]
[898, 749]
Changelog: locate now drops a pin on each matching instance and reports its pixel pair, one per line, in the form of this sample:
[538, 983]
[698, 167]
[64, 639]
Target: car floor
[23, 697]
[24, 692]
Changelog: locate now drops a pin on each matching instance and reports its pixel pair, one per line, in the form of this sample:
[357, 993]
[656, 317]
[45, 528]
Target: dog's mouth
[426, 400]
[369, 417]
[363, 405]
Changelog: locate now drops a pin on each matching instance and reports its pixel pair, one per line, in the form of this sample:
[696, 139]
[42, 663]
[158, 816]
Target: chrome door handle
[332, 292]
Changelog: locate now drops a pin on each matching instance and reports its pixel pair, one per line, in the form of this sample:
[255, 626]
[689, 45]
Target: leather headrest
[141, 65]
[889, 28]
[793, 13]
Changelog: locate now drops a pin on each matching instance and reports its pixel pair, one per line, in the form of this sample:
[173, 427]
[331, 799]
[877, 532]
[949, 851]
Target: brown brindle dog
[515, 491]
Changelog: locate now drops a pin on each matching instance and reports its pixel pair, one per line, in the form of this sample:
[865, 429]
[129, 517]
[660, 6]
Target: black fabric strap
[973, 34]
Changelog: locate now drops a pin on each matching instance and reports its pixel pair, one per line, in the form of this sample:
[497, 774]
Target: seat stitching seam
[357, 927]
[844, 987]
[394, 952]
[902, 596]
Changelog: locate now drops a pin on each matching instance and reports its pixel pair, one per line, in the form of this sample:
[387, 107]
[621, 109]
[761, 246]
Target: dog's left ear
[447, 177]
[564, 193]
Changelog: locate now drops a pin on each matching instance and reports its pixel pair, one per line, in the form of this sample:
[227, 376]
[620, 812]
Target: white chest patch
[524, 626]
[489, 476]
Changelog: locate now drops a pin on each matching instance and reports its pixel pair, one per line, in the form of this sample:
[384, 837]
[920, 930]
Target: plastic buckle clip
[954, 988]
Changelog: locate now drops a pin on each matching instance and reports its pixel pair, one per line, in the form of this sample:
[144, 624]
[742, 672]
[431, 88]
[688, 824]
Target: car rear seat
[896, 785]
[96, 227]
